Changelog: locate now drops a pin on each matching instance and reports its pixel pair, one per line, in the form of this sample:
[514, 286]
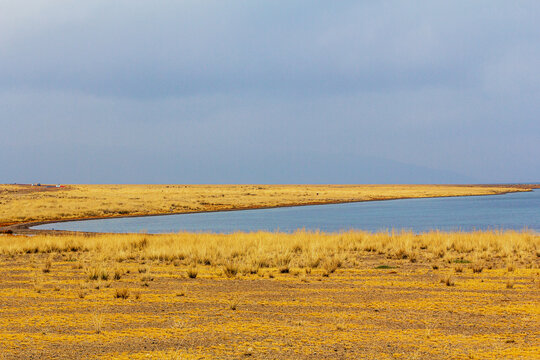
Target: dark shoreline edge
[26, 227]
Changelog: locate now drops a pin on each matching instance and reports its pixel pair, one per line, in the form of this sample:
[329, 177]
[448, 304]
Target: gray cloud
[156, 88]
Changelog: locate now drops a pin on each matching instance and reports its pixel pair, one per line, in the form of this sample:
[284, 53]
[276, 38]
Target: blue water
[510, 211]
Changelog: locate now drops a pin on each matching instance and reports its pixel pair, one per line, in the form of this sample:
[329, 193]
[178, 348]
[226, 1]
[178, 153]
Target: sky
[203, 91]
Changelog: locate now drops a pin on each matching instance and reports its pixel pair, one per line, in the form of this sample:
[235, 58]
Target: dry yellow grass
[261, 295]
[24, 204]
[302, 249]
[344, 295]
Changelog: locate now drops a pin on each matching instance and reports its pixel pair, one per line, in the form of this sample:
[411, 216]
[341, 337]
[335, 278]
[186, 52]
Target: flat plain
[305, 295]
[23, 203]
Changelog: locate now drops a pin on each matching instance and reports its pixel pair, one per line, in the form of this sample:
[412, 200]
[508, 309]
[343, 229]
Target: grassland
[271, 295]
[306, 295]
[25, 204]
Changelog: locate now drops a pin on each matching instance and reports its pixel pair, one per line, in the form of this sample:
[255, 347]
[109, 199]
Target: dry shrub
[97, 322]
[147, 277]
[122, 293]
[118, 274]
[233, 303]
[230, 269]
[47, 267]
[330, 266]
[477, 269]
[510, 267]
[97, 273]
[510, 284]
[448, 281]
[192, 272]
[81, 293]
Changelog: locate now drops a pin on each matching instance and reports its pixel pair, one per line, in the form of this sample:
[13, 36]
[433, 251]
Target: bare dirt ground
[382, 308]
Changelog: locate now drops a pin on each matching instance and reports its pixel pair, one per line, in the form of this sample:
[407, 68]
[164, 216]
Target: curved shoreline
[26, 228]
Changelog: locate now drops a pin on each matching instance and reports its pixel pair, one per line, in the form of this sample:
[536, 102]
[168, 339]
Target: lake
[509, 211]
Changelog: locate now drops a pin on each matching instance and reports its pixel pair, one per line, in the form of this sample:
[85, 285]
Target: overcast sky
[269, 91]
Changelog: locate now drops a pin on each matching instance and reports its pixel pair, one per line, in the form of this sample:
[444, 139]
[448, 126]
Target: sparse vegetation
[448, 280]
[301, 293]
[121, 293]
[117, 274]
[22, 203]
[192, 272]
[47, 267]
[230, 269]
[97, 322]
[477, 269]
[349, 314]
[233, 303]
[98, 273]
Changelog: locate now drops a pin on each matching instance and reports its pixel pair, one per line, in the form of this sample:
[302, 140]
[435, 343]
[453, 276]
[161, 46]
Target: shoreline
[25, 228]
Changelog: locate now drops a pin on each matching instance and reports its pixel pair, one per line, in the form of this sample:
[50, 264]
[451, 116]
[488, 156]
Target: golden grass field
[271, 296]
[305, 295]
[23, 203]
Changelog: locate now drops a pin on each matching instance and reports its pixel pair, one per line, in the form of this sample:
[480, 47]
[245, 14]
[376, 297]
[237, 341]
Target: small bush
[458, 269]
[47, 267]
[448, 281]
[118, 274]
[331, 266]
[233, 304]
[122, 293]
[192, 272]
[147, 277]
[97, 323]
[477, 269]
[230, 269]
[97, 273]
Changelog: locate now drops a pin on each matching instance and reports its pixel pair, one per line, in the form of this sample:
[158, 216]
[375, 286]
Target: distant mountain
[333, 169]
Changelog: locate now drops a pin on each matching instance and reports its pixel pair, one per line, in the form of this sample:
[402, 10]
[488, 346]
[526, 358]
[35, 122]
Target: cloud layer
[269, 91]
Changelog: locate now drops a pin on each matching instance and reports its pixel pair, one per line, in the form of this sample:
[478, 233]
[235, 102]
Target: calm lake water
[509, 211]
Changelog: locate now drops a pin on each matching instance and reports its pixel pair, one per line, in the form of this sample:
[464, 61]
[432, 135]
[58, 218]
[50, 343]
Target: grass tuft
[122, 293]
[47, 267]
[230, 269]
[192, 272]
